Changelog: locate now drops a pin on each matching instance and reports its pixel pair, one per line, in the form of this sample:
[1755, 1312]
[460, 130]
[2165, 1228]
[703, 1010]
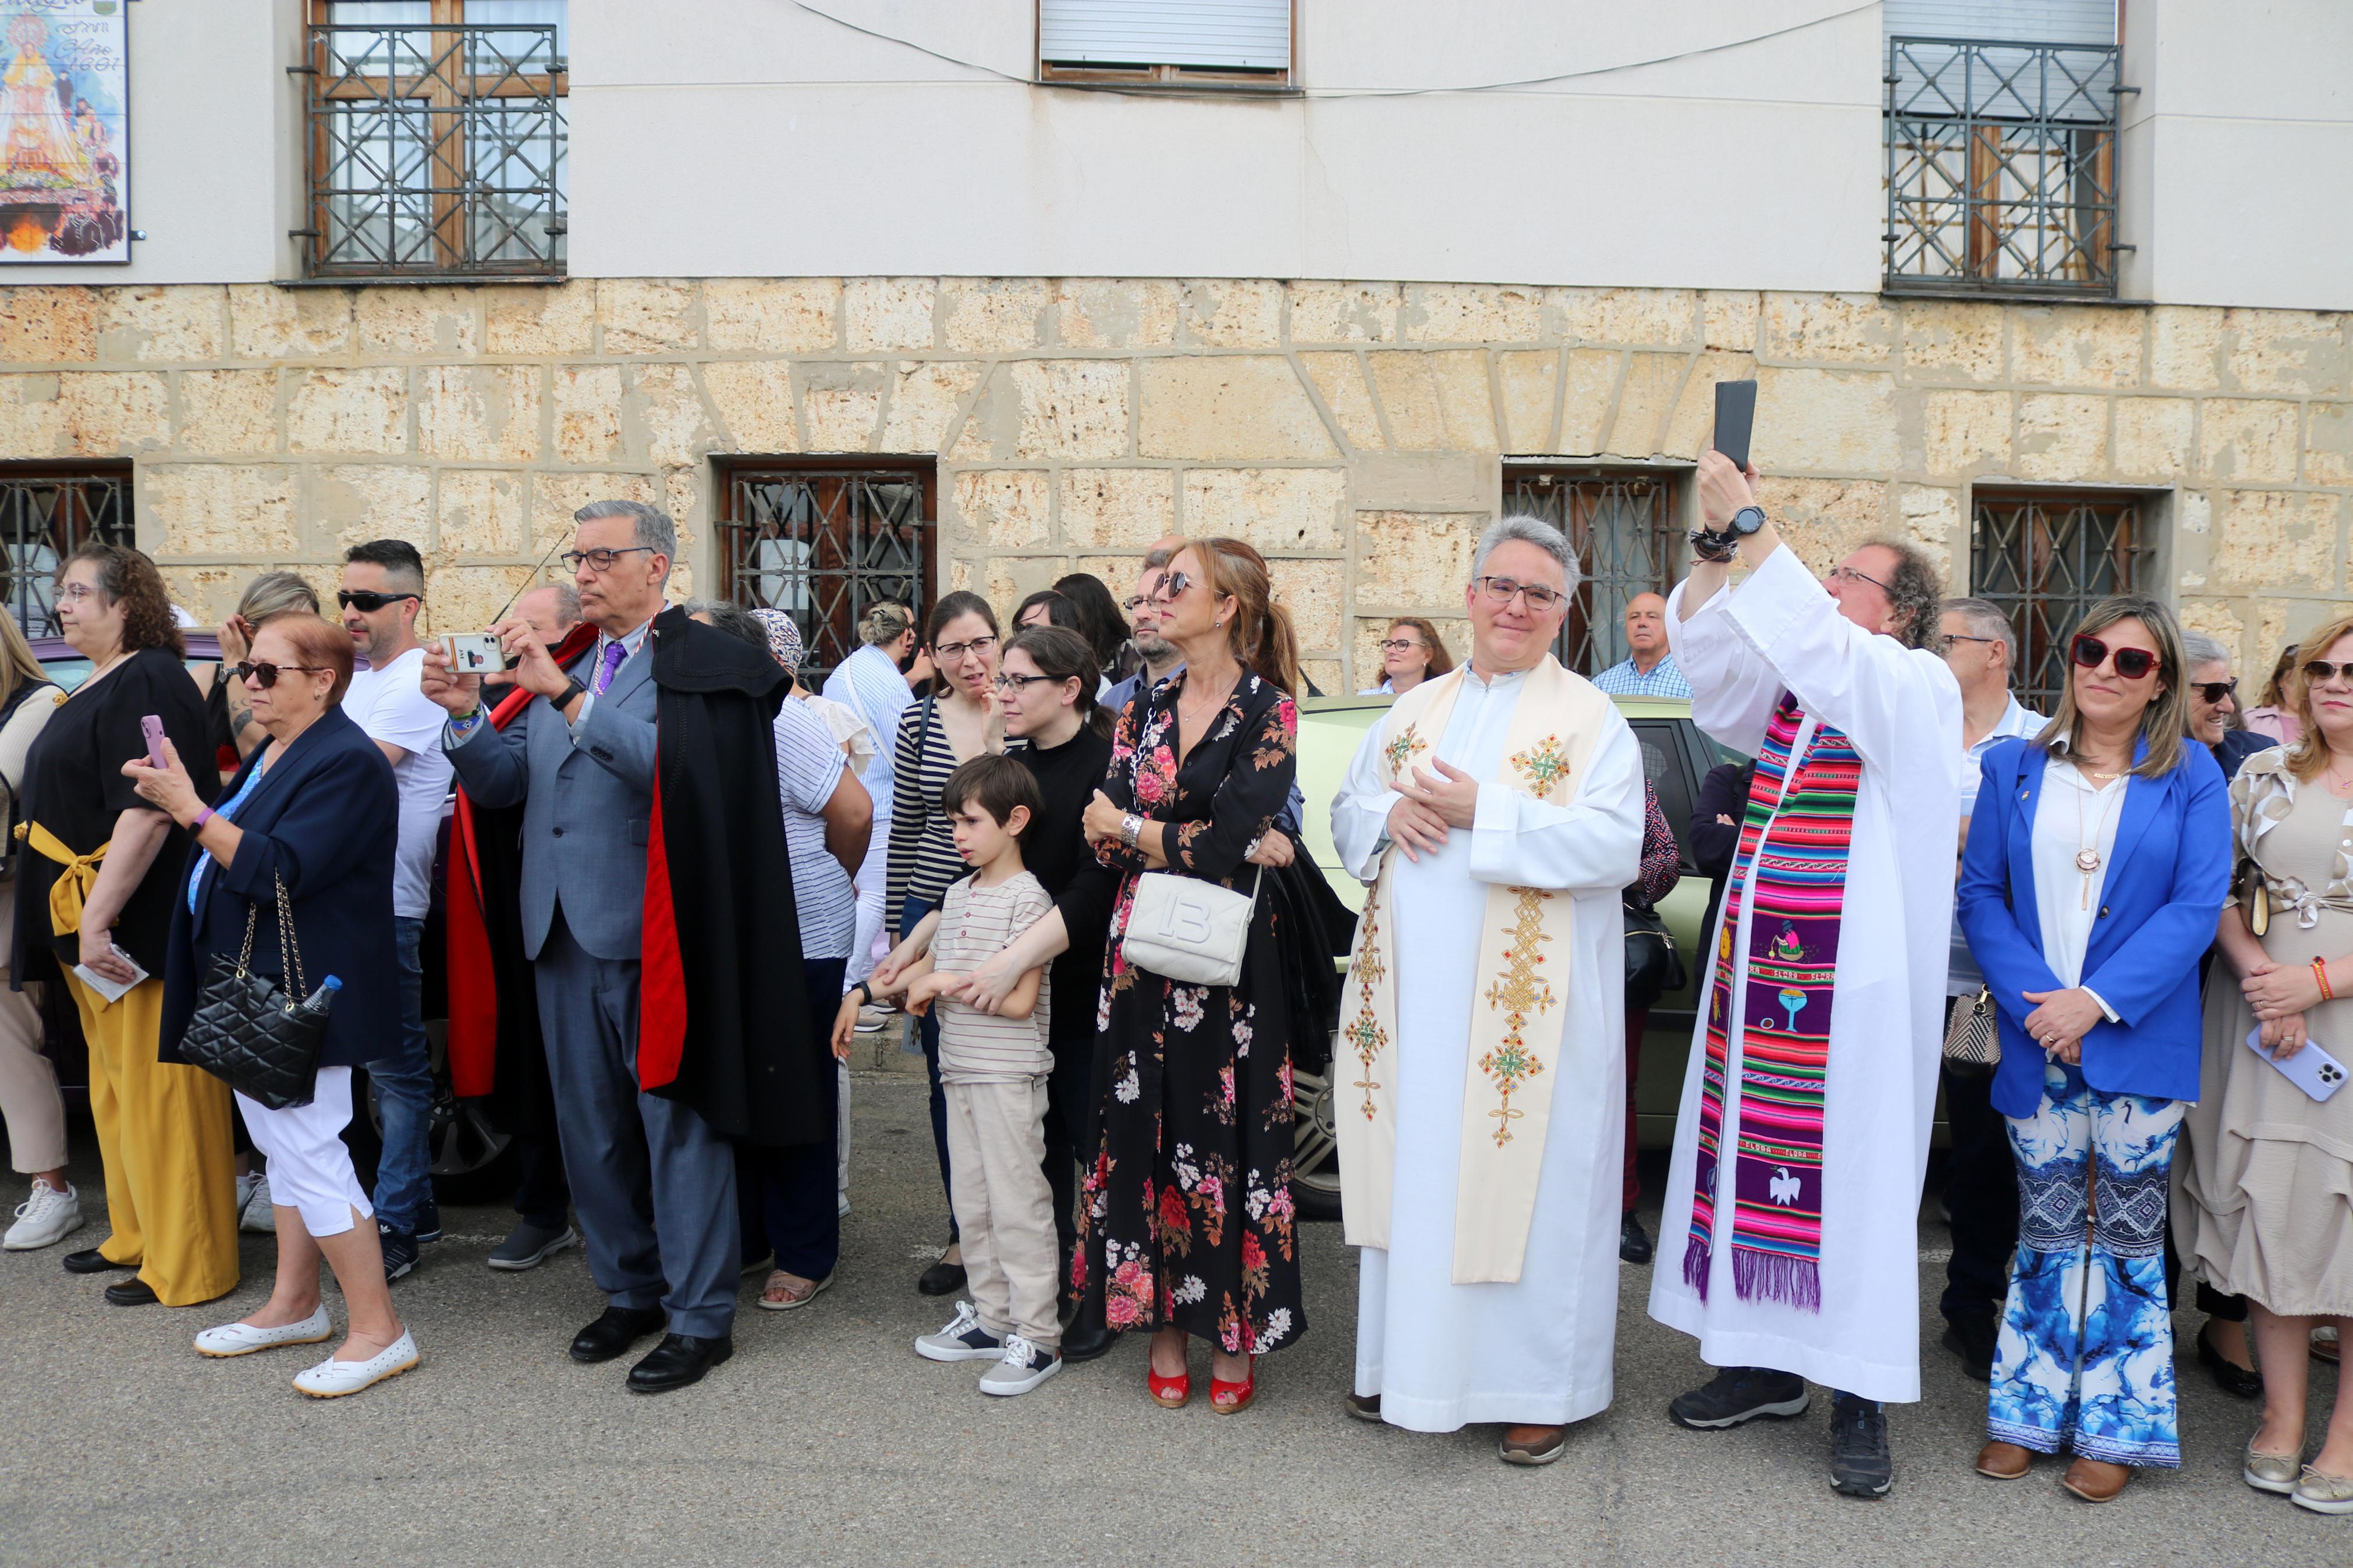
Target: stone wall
[1353, 431]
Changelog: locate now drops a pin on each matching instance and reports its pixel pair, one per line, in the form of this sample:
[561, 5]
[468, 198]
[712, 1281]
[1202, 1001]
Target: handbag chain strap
[286, 948]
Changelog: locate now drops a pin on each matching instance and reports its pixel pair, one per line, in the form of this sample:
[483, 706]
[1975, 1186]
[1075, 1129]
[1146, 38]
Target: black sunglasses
[2132, 663]
[2316, 670]
[368, 604]
[2214, 690]
[268, 674]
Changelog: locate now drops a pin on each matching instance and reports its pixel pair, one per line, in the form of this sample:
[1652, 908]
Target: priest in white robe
[1481, 1069]
[1790, 1242]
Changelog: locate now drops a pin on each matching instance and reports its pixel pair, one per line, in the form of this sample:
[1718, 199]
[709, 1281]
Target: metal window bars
[434, 149]
[2001, 167]
[1620, 525]
[824, 545]
[44, 514]
[2044, 558]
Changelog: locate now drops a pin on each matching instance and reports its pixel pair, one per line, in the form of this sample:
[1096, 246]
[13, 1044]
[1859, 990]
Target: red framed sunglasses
[2090, 653]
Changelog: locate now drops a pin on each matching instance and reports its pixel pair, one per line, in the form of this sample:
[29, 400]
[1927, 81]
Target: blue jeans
[404, 1092]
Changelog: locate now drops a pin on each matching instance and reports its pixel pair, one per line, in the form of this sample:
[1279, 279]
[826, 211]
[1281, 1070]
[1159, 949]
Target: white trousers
[310, 1168]
[873, 884]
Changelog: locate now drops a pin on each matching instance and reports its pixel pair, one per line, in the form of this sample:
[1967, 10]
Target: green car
[1675, 755]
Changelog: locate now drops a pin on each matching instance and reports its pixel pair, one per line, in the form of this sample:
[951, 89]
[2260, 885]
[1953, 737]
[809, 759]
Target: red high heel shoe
[1169, 1393]
[1232, 1398]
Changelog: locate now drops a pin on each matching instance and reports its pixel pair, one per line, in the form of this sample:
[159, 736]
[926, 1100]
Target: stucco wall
[1354, 431]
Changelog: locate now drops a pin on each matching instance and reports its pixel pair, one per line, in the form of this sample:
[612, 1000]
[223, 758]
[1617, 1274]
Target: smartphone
[152, 728]
[1735, 417]
[2311, 1069]
[474, 653]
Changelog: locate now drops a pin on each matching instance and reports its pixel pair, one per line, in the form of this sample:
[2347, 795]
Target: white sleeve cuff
[2111, 1012]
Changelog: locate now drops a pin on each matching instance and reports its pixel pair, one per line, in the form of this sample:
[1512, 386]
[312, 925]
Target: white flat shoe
[331, 1379]
[243, 1338]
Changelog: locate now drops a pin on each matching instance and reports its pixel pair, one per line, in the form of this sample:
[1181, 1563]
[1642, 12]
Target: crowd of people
[1063, 851]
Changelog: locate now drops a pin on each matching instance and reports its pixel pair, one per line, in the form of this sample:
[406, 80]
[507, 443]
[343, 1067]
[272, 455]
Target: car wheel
[1315, 1148]
[473, 1158]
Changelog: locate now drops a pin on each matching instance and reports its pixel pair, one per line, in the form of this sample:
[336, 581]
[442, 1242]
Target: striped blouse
[923, 856]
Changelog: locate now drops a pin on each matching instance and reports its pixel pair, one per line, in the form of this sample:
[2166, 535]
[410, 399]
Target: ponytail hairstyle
[1260, 632]
[1063, 655]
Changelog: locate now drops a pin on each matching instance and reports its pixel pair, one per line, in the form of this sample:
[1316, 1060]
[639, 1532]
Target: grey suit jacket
[587, 800]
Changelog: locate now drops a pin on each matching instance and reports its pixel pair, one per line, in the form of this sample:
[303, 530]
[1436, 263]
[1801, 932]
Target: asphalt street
[827, 1440]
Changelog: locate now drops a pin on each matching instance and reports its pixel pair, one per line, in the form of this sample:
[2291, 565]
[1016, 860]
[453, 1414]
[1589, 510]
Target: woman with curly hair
[94, 909]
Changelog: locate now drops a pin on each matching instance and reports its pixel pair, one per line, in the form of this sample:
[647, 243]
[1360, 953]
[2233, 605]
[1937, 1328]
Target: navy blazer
[326, 819]
[2167, 875]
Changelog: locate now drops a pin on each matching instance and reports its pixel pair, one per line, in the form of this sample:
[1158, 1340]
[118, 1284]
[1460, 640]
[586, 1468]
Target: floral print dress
[1185, 1218]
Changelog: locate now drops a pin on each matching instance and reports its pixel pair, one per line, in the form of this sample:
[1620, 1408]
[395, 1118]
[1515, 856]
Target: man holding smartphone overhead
[382, 592]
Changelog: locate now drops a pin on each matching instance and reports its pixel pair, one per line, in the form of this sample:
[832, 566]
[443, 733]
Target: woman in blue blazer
[315, 811]
[2097, 865]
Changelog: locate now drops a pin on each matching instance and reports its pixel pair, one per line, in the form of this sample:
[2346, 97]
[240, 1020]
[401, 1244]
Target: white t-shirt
[391, 706]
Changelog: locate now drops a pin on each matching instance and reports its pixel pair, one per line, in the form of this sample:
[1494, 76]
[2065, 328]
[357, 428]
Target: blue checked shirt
[1625, 680]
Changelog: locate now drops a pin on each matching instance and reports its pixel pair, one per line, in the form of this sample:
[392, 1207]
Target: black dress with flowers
[1185, 1218]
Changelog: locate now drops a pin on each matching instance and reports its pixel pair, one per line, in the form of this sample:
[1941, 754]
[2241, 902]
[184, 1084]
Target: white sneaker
[244, 1339]
[253, 1203]
[47, 1216]
[1025, 1366]
[331, 1379]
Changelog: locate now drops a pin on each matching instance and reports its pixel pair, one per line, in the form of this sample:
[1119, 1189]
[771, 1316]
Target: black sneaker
[428, 1221]
[1972, 1339]
[1860, 1463]
[1633, 1241]
[1740, 1394]
[399, 1250]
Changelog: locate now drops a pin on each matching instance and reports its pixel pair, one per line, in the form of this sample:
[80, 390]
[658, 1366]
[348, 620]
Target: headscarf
[784, 637]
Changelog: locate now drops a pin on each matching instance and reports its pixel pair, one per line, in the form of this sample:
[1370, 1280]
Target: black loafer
[2228, 1375]
[1633, 1241]
[679, 1360]
[131, 1293]
[941, 1278]
[1974, 1340]
[615, 1331]
[91, 1262]
[1080, 1342]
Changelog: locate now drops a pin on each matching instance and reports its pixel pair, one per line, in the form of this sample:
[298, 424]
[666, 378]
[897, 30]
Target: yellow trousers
[163, 1134]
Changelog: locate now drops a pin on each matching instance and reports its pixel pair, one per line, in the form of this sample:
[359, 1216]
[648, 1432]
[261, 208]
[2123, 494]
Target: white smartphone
[474, 653]
[2311, 1069]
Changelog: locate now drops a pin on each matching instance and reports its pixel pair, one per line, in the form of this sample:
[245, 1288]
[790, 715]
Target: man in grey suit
[653, 1183]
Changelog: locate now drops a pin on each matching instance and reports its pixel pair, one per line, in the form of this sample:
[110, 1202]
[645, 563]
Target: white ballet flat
[331, 1379]
[244, 1339]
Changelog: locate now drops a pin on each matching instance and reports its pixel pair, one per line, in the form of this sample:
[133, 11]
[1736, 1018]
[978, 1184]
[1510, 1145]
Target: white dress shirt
[2070, 817]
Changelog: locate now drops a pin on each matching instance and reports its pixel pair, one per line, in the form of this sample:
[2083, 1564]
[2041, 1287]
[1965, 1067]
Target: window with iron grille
[1220, 44]
[45, 510]
[1621, 524]
[2002, 166]
[435, 143]
[2045, 557]
[824, 542]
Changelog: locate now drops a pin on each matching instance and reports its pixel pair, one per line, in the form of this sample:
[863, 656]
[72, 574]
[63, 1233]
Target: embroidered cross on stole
[1518, 998]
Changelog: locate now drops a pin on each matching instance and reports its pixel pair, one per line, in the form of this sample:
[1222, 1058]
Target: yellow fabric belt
[73, 884]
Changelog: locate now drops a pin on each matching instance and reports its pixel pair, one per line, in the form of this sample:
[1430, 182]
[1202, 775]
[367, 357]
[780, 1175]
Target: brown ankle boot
[2004, 1461]
[2096, 1480]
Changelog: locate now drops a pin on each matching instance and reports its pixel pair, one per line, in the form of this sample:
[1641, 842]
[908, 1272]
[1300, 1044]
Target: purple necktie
[615, 652]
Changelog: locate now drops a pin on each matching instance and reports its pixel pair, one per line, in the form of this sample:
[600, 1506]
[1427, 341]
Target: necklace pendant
[2088, 861]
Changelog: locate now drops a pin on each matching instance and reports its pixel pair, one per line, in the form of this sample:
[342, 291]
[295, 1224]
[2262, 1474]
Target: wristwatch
[1710, 545]
[573, 689]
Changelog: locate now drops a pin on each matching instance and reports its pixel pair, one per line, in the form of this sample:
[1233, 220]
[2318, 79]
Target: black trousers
[789, 1200]
[1069, 1109]
[1981, 1190]
[544, 1198]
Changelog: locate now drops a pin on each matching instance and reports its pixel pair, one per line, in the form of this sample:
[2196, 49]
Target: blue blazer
[325, 818]
[2167, 879]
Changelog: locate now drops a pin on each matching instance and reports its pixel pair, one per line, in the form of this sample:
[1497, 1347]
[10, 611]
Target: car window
[73, 669]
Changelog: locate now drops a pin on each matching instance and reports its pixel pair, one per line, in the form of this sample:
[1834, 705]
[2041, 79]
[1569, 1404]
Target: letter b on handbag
[1190, 930]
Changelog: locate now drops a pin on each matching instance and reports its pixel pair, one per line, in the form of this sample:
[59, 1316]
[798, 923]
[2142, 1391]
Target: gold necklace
[2088, 859]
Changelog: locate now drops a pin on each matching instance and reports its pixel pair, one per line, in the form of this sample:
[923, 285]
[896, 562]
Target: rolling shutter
[1228, 35]
[2012, 21]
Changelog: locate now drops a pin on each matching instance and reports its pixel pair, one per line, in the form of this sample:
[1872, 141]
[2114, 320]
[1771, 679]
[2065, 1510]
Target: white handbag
[1190, 930]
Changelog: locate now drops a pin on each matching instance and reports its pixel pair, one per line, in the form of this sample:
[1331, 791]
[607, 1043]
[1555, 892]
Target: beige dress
[2264, 1205]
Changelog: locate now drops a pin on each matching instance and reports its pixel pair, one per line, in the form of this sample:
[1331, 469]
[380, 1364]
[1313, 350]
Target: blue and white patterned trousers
[2085, 1357]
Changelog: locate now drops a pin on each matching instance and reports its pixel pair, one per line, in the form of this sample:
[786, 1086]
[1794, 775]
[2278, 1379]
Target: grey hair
[1525, 529]
[2198, 649]
[1984, 619]
[567, 600]
[655, 531]
[1914, 592]
[732, 618]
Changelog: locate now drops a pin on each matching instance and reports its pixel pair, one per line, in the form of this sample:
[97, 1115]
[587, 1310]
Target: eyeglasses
[2214, 690]
[954, 652]
[1399, 645]
[1133, 603]
[1849, 574]
[1949, 638]
[2132, 663]
[1017, 684]
[369, 603]
[1171, 587]
[600, 560]
[2318, 671]
[266, 675]
[1502, 590]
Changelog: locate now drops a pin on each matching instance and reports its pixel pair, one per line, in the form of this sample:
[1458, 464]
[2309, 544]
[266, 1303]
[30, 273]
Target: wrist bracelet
[1712, 546]
[1130, 827]
[205, 814]
[865, 994]
[2320, 974]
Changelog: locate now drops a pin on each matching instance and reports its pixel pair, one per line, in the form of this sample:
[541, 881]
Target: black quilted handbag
[1654, 966]
[261, 1040]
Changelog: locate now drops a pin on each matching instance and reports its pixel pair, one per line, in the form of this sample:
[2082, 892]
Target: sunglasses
[2132, 663]
[1172, 587]
[2318, 671]
[266, 675]
[368, 604]
[2211, 691]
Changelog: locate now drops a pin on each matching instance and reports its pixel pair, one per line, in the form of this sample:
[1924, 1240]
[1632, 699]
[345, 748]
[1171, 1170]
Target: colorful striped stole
[1791, 867]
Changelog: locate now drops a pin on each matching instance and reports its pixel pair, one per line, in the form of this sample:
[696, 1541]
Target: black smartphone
[1735, 415]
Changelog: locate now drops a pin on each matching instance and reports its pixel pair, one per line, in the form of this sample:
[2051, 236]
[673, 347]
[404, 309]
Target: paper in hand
[112, 990]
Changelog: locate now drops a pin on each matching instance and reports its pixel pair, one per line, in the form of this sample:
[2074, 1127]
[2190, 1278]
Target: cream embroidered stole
[1515, 1025]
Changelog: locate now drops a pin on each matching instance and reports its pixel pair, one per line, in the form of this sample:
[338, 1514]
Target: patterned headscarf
[784, 637]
